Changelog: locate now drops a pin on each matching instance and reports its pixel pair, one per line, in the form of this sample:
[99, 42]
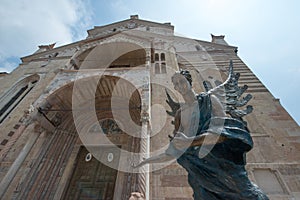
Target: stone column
[143, 176]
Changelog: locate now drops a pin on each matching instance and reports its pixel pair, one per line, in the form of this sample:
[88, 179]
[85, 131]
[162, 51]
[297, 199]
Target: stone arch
[105, 87]
[110, 52]
[62, 147]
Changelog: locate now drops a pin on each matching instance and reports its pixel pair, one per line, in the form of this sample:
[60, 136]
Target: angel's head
[182, 81]
[187, 75]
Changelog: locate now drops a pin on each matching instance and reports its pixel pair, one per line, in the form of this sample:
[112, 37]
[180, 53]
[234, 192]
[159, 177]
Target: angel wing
[229, 93]
[173, 105]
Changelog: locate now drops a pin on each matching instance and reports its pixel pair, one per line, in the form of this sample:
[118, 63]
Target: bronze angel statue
[210, 139]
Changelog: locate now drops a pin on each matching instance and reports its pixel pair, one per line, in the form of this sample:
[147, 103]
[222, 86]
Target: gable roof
[131, 23]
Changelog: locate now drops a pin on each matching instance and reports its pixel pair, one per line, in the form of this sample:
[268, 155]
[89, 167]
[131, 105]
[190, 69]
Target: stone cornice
[125, 23]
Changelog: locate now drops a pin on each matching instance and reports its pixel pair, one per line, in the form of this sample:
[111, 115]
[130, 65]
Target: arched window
[10, 99]
[156, 57]
[162, 57]
[160, 64]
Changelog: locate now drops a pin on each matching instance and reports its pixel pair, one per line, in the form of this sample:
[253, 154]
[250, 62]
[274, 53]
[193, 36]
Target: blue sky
[266, 32]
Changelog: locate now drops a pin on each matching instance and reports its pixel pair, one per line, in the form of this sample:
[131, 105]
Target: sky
[267, 33]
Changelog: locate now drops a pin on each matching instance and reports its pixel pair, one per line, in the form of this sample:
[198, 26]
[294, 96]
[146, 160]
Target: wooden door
[92, 179]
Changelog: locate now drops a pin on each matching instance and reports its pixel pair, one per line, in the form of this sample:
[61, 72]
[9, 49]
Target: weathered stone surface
[275, 134]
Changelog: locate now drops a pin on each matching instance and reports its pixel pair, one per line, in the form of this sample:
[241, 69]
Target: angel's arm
[181, 141]
[156, 159]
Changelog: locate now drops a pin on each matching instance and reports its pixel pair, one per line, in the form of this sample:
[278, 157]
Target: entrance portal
[92, 179]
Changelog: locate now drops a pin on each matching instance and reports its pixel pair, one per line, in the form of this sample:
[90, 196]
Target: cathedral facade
[76, 119]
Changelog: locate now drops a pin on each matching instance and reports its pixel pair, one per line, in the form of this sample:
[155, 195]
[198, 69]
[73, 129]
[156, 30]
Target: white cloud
[7, 66]
[24, 25]
[266, 32]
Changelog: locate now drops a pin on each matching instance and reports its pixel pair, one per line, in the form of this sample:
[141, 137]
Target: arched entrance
[58, 172]
[110, 55]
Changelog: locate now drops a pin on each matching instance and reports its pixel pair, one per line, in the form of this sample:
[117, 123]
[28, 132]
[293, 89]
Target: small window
[160, 63]
[16, 126]
[163, 68]
[156, 57]
[198, 48]
[162, 57]
[4, 142]
[157, 70]
[11, 133]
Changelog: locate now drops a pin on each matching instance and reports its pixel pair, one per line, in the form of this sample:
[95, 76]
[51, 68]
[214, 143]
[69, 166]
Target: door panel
[92, 179]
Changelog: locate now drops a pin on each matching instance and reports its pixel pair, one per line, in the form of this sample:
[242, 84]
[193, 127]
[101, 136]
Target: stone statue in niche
[210, 139]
